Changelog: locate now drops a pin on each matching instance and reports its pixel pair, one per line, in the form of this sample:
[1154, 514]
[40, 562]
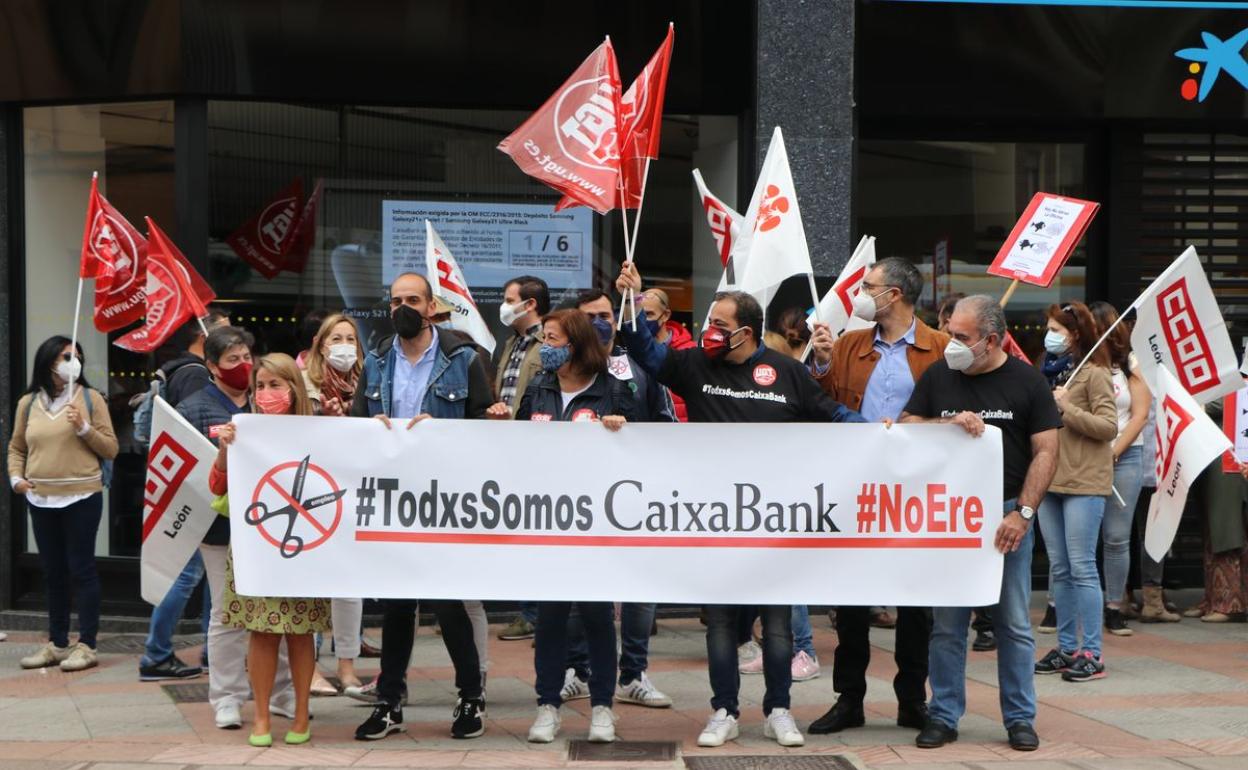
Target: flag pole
[632, 245]
[1104, 336]
[628, 254]
[73, 339]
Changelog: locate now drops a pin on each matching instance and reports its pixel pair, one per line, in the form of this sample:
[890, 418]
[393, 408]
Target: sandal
[322, 686]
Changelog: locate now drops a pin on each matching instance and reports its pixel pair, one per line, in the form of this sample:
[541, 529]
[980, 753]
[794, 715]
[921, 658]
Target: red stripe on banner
[593, 541]
[150, 523]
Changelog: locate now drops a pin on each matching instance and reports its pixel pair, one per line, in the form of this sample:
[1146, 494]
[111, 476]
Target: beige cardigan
[1085, 456]
[46, 450]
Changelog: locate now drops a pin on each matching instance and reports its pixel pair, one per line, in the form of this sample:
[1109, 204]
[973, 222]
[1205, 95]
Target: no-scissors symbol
[295, 510]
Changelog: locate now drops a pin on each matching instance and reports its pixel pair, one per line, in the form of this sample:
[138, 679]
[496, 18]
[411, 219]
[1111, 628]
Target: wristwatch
[1027, 512]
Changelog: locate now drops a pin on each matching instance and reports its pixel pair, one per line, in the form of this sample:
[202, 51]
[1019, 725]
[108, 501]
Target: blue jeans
[1016, 647]
[165, 616]
[1071, 525]
[721, 653]
[1119, 520]
[636, 621]
[66, 541]
[803, 636]
[551, 650]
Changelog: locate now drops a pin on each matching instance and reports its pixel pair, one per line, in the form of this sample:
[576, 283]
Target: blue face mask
[553, 357]
[653, 326]
[605, 329]
[1056, 342]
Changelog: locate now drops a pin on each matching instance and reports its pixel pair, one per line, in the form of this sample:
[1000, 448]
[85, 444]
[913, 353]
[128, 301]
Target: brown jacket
[854, 358]
[1085, 443]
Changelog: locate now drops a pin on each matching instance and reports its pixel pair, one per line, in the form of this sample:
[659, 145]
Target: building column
[10, 143]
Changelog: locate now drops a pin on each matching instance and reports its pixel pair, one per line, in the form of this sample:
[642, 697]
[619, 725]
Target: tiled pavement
[1176, 697]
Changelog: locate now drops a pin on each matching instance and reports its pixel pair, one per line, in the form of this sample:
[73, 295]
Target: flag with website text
[175, 294]
[114, 254]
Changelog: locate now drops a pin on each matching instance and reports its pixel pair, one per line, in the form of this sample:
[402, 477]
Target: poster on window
[1043, 239]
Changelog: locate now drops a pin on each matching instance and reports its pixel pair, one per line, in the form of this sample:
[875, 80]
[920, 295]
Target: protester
[945, 312]
[875, 371]
[1131, 400]
[277, 388]
[978, 383]
[653, 401]
[720, 382]
[658, 309]
[792, 328]
[1072, 510]
[417, 374]
[575, 386]
[309, 325]
[61, 449]
[227, 353]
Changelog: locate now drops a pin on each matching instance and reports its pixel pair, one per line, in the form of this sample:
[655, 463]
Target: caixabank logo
[1218, 57]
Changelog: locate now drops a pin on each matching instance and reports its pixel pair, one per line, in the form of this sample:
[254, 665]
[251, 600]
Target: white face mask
[961, 357]
[70, 370]
[509, 314]
[864, 304]
[342, 356]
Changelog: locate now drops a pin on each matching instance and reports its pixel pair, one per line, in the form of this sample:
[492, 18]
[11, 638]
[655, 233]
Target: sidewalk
[1176, 697]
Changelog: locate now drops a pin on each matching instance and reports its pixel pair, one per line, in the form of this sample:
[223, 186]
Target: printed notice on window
[1043, 238]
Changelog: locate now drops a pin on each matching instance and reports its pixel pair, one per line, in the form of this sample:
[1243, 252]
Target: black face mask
[408, 322]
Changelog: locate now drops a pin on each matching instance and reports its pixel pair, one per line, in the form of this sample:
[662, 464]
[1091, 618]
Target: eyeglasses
[870, 287]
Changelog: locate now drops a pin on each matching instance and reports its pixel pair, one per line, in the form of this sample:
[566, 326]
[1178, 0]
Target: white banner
[175, 500]
[342, 507]
[447, 281]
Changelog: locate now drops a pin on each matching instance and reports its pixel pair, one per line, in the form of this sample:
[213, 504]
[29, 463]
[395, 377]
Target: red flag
[113, 253]
[572, 142]
[264, 240]
[1010, 345]
[175, 294]
[641, 120]
[303, 238]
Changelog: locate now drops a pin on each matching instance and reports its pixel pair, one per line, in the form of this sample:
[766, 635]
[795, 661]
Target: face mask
[238, 378]
[653, 326]
[509, 314]
[70, 370]
[1056, 342]
[342, 356]
[605, 329]
[553, 357]
[864, 305]
[273, 401]
[959, 356]
[408, 322]
[717, 343]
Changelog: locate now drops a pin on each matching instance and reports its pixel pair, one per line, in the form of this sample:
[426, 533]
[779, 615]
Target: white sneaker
[642, 692]
[229, 717]
[546, 726]
[782, 728]
[602, 725]
[367, 693]
[721, 727]
[804, 667]
[80, 658]
[283, 710]
[574, 688]
[47, 655]
[748, 652]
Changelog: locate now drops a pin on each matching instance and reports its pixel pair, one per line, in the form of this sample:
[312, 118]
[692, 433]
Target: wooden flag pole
[628, 254]
[1009, 293]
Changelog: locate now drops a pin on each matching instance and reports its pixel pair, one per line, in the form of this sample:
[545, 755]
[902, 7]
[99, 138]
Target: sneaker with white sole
[47, 655]
[720, 728]
[642, 692]
[602, 725]
[367, 693]
[804, 667]
[748, 652]
[752, 666]
[546, 726]
[574, 688]
[80, 658]
[781, 727]
[228, 717]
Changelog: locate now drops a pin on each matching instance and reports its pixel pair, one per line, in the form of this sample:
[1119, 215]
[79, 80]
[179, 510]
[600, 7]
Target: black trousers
[853, 653]
[399, 632]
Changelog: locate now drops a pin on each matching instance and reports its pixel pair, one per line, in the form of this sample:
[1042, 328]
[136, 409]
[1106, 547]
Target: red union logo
[274, 224]
[111, 243]
[1193, 360]
[844, 287]
[771, 210]
[585, 124]
[1173, 420]
[168, 465]
[721, 226]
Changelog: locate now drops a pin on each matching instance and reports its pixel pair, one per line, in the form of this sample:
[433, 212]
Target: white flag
[836, 309]
[1178, 324]
[448, 284]
[772, 237]
[176, 500]
[725, 223]
[1187, 441]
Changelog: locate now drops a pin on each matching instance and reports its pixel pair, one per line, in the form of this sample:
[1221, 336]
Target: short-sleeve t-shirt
[1013, 397]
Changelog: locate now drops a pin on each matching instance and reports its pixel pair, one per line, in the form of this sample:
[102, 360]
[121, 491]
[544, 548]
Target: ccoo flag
[114, 254]
[447, 282]
[175, 294]
[772, 238]
[836, 309]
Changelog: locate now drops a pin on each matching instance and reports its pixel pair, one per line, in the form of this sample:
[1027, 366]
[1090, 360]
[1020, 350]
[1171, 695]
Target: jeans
[803, 635]
[721, 653]
[1016, 647]
[399, 632]
[66, 541]
[1072, 524]
[1119, 519]
[165, 616]
[853, 653]
[636, 620]
[551, 650]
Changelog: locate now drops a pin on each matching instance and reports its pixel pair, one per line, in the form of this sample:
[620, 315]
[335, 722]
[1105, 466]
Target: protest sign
[1043, 238]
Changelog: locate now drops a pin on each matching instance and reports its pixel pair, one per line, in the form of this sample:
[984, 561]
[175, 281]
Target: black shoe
[1049, 624]
[984, 641]
[935, 735]
[912, 715]
[1055, 662]
[469, 721]
[1023, 737]
[169, 668]
[842, 715]
[384, 720]
[1116, 623]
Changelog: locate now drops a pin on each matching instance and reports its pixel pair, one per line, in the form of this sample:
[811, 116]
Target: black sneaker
[984, 641]
[469, 718]
[384, 720]
[1116, 623]
[1056, 662]
[1085, 668]
[1049, 624]
[169, 668]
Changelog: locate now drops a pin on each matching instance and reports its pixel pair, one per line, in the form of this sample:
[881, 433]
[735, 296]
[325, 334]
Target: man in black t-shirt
[978, 383]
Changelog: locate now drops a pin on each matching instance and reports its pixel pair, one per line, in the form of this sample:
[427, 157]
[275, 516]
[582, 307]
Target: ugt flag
[1178, 325]
[113, 253]
[1187, 441]
[175, 294]
[836, 309]
[572, 142]
[447, 282]
[773, 239]
[264, 240]
[641, 120]
[176, 515]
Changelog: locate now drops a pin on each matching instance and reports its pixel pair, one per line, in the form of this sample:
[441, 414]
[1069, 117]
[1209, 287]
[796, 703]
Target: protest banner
[176, 512]
[344, 507]
[1235, 426]
[1043, 239]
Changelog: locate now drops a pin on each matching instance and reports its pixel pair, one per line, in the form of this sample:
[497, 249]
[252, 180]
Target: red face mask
[273, 401]
[238, 378]
[715, 342]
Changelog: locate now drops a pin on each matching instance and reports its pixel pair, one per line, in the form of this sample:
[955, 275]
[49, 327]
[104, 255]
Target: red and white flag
[175, 294]
[263, 241]
[725, 224]
[772, 238]
[1187, 441]
[836, 309]
[113, 253]
[447, 282]
[1178, 325]
[572, 142]
[303, 240]
[641, 120]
